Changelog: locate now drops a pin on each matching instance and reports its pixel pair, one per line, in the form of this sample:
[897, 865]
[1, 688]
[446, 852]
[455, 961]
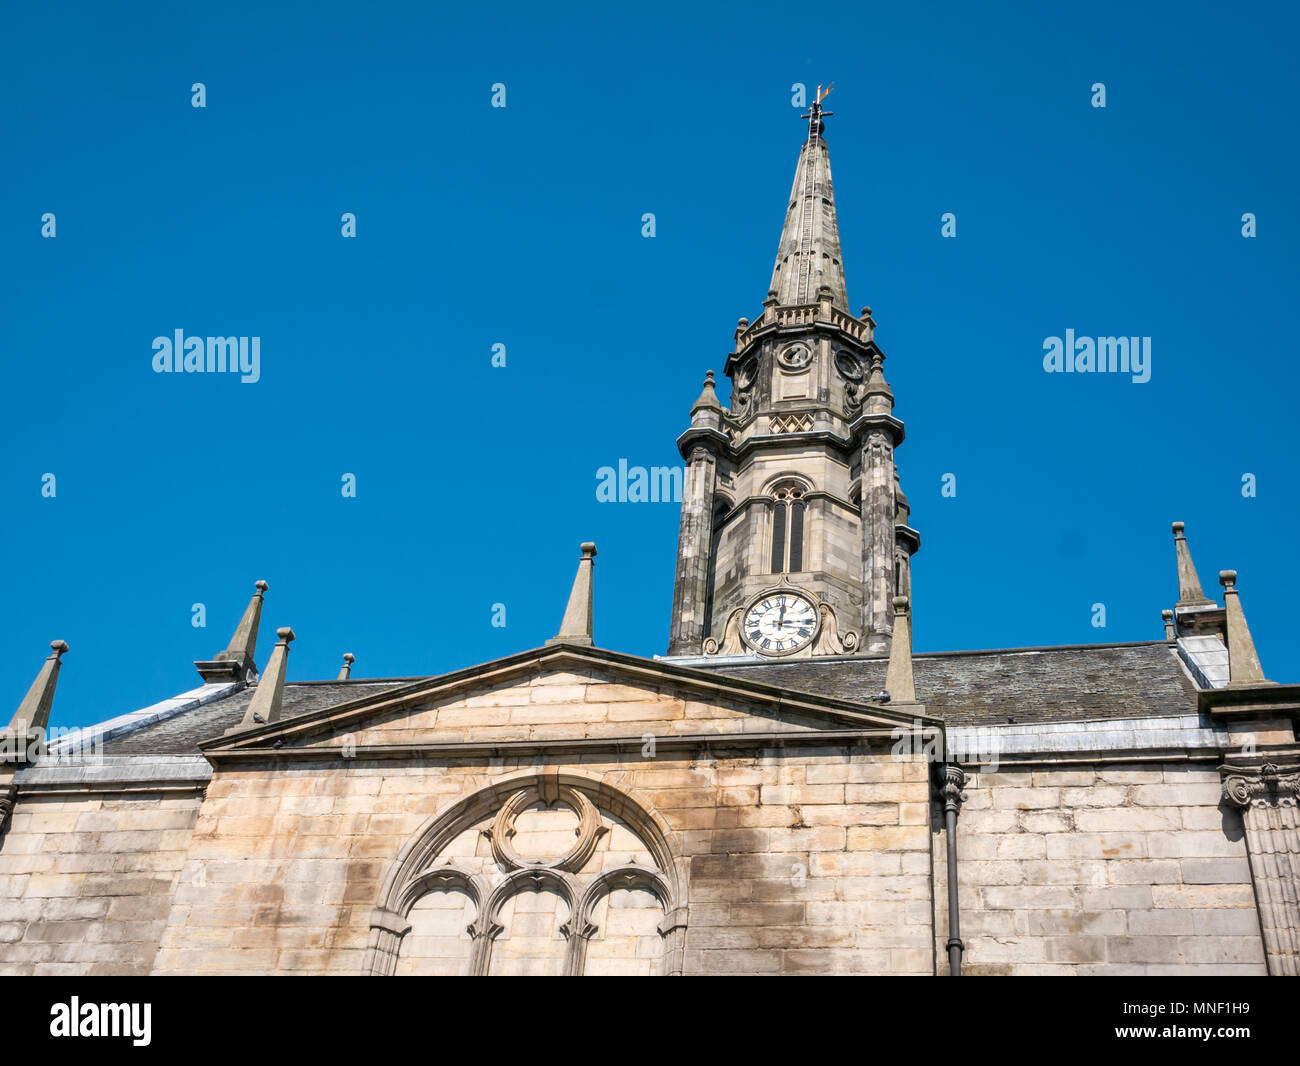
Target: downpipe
[954, 780]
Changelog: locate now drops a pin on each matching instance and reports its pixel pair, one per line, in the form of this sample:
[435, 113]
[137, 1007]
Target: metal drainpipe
[954, 780]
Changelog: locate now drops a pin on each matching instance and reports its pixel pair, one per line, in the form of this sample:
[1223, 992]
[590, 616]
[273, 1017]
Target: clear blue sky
[522, 226]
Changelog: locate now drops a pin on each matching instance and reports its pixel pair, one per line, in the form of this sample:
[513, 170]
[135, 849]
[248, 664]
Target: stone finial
[899, 682]
[708, 398]
[879, 396]
[345, 671]
[1189, 585]
[237, 662]
[1243, 662]
[268, 697]
[34, 712]
[578, 624]
[1168, 617]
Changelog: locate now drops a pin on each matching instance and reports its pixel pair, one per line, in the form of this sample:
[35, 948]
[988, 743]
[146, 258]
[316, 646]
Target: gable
[560, 695]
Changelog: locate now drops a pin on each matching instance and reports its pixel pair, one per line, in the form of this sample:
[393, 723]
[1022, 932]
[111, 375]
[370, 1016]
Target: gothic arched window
[549, 873]
[787, 528]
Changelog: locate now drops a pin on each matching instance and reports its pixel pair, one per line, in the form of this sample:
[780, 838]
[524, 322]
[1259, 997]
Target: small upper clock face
[849, 365]
[745, 373]
[794, 356]
[780, 623]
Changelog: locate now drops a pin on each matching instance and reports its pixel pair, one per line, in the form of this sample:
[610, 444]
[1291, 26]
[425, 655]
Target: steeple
[791, 506]
[808, 257]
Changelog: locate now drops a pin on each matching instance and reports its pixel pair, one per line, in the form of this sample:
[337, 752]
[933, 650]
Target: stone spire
[899, 682]
[268, 697]
[1243, 661]
[236, 663]
[1189, 585]
[345, 671]
[808, 257]
[34, 712]
[577, 627]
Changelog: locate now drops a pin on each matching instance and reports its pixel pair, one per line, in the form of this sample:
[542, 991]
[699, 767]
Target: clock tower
[794, 532]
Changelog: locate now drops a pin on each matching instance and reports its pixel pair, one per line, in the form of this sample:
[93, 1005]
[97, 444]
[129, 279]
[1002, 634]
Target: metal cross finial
[815, 114]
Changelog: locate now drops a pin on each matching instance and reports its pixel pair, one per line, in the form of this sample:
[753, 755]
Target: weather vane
[815, 114]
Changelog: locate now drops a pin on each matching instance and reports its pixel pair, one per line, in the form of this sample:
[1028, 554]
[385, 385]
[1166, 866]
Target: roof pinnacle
[33, 713]
[268, 697]
[236, 662]
[1243, 661]
[1189, 585]
[578, 624]
[900, 682]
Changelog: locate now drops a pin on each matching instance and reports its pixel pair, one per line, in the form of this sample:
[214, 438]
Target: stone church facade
[789, 790]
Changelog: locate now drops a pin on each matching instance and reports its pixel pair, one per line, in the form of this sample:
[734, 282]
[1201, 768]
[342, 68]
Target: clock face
[780, 622]
[849, 365]
[745, 374]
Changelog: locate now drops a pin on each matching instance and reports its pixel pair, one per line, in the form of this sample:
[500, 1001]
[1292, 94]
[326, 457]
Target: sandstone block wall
[794, 864]
[1135, 869]
[86, 882]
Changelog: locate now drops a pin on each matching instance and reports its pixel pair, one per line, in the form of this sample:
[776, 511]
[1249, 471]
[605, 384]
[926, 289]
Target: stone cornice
[721, 445]
[908, 536]
[459, 750]
[1266, 701]
[713, 439]
[864, 423]
[785, 440]
[803, 318]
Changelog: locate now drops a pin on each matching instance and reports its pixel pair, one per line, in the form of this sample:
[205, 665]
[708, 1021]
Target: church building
[789, 789]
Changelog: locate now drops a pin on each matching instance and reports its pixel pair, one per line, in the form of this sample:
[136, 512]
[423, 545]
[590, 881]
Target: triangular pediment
[563, 695]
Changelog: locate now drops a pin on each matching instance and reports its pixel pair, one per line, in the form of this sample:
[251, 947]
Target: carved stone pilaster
[1267, 797]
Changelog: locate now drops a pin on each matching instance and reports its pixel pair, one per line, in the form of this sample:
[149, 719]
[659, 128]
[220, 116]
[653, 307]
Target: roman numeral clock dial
[780, 623]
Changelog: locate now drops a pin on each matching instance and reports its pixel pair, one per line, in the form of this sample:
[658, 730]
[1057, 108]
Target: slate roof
[180, 734]
[1079, 683]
